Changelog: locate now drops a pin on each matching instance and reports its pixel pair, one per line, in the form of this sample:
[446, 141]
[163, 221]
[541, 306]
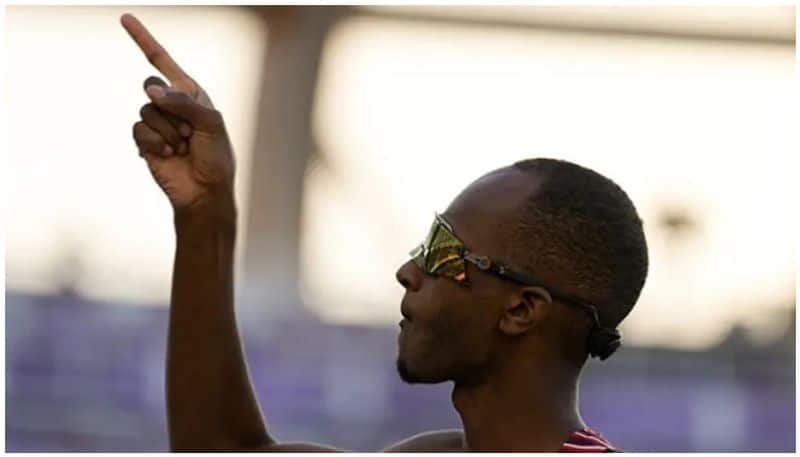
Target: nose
[409, 276]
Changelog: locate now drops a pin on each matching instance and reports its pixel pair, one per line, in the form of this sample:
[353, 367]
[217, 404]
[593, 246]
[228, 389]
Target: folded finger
[166, 126]
[181, 104]
[183, 127]
[150, 142]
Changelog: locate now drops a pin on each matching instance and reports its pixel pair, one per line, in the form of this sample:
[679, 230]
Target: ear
[526, 309]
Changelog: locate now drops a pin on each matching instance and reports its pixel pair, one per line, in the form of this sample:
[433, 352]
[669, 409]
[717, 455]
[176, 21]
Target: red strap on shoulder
[587, 440]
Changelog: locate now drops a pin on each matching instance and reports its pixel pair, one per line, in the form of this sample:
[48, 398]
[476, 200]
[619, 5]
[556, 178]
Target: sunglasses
[444, 254]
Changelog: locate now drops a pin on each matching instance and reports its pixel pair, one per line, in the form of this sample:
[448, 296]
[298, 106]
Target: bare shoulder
[296, 447]
[434, 441]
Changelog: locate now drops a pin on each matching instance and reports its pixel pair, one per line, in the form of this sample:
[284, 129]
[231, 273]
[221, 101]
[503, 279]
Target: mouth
[403, 323]
[404, 311]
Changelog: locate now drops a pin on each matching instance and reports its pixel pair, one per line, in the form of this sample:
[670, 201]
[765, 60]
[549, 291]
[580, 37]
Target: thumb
[154, 81]
[184, 106]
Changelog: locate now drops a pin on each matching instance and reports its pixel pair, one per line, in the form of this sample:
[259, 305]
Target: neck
[522, 406]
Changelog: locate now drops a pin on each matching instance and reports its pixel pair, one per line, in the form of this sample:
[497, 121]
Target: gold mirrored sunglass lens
[418, 256]
[426, 245]
[439, 258]
[440, 254]
[444, 248]
[454, 269]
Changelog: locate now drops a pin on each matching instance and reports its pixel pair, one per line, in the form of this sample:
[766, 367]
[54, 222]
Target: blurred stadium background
[343, 119]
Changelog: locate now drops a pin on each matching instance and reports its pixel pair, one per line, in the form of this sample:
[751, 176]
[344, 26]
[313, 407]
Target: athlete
[522, 278]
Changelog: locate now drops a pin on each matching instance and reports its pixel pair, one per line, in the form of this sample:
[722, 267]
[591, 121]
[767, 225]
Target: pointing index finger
[156, 54]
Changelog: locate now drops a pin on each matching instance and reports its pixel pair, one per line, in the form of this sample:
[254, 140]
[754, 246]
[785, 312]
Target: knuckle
[180, 97]
[165, 127]
[172, 135]
[152, 56]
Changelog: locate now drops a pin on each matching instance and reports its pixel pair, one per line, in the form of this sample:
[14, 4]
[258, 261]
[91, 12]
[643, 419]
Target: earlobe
[525, 310]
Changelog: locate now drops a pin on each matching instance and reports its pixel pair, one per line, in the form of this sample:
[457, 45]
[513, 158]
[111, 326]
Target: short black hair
[580, 233]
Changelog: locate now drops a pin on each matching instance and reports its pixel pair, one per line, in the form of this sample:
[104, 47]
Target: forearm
[210, 400]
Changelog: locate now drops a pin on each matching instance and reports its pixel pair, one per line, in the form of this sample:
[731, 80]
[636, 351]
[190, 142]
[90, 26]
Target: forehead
[489, 204]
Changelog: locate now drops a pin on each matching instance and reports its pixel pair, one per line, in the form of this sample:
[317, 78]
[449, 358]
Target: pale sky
[698, 125]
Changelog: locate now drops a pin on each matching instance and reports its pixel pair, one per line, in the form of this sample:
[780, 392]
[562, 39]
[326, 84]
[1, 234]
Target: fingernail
[168, 150]
[185, 130]
[181, 148]
[155, 91]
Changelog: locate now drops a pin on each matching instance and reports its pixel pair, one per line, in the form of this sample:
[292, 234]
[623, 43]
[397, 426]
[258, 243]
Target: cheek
[455, 317]
[475, 326]
[436, 321]
[460, 324]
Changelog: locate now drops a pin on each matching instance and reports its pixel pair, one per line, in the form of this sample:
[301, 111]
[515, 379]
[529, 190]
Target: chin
[403, 371]
[416, 363]
[412, 376]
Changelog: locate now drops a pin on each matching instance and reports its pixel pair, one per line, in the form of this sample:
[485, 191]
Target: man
[526, 273]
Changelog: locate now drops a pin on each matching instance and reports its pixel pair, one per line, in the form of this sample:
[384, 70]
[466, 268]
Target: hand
[191, 176]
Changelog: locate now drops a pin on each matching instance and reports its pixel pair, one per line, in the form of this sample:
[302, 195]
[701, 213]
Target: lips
[404, 310]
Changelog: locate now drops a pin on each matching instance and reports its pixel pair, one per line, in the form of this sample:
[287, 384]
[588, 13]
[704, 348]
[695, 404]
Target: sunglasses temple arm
[484, 263]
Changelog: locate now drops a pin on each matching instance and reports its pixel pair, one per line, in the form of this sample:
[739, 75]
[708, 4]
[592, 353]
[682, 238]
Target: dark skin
[504, 336]
[513, 353]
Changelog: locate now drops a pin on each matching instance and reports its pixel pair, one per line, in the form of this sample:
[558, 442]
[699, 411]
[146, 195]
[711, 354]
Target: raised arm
[210, 401]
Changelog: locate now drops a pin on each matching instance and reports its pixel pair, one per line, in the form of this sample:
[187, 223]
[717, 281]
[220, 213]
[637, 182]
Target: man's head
[569, 227]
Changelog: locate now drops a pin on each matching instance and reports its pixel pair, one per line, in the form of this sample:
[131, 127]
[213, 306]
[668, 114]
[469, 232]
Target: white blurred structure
[77, 190]
[690, 109]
